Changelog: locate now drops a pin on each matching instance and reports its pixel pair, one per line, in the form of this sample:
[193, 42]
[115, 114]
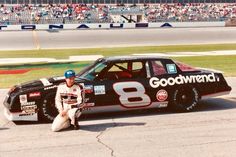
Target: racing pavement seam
[99, 140]
[36, 40]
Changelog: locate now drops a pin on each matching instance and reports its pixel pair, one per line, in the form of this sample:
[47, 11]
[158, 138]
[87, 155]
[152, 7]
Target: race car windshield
[93, 71]
[89, 67]
[185, 68]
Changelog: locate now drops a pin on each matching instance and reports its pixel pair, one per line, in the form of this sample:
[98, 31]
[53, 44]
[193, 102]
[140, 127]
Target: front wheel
[48, 109]
[185, 99]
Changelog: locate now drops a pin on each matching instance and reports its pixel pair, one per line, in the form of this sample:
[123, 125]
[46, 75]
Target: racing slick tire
[48, 109]
[185, 99]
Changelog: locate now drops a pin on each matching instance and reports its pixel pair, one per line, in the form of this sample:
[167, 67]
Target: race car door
[123, 83]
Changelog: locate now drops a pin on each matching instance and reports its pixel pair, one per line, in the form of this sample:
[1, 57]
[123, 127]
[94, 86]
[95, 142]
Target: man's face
[70, 81]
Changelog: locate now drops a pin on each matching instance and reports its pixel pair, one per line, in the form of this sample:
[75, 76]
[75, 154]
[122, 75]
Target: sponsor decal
[163, 82]
[171, 68]
[26, 114]
[87, 106]
[88, 88]
[29, 109]
[23, 99]
[51, 87]
[163, 105]
[28, 103]
[99, 90]
[162, 95]
[34, 94]
[90, 104]
[45, 82]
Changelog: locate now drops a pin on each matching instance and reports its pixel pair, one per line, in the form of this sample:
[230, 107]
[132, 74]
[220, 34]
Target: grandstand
[110, 1]
[12, 14]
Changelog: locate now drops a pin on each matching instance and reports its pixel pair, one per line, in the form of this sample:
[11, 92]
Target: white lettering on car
[34, 94]
[163, 82]
[51, 87]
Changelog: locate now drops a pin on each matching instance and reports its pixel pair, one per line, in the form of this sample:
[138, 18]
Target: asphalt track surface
[209, 131]
[24, 40]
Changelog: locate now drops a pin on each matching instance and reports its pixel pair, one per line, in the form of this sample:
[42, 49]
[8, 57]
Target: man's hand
[81, 106]
[63, 113]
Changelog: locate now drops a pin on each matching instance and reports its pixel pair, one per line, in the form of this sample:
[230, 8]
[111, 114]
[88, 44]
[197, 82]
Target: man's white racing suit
[68, 99]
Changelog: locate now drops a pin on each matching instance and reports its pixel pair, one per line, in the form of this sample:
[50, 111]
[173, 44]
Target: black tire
[185, 99]
[48, 109]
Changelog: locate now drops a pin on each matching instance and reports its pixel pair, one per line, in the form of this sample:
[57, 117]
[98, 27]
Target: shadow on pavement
[26, 123]
[212, 104]
[102, 127]
[4, 129]
[216, 104]
[124, 114]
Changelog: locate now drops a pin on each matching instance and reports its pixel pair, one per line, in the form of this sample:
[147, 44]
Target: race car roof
[125, 58]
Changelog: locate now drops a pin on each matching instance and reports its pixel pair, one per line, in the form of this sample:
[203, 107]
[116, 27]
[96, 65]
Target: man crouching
[68, 100]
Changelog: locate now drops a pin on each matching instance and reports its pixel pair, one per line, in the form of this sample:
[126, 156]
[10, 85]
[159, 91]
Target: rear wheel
[48, 109]
[185, 99]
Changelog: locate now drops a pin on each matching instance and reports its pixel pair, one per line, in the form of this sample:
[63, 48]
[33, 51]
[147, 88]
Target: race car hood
[30, 84]
[209, 70]
[39, 83]
[44, 82]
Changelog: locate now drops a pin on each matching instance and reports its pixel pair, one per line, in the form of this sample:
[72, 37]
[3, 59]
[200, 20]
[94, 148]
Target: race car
[120, 83]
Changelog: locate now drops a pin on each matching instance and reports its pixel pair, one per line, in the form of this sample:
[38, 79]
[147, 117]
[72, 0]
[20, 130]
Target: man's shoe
[76, 127]
[71, 127]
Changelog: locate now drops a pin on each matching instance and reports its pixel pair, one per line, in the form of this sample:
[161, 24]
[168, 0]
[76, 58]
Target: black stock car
[120, 83]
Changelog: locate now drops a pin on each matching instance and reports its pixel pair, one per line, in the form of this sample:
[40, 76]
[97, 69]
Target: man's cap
[69, 73]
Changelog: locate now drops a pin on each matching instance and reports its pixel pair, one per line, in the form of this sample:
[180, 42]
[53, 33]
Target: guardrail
[109, 26]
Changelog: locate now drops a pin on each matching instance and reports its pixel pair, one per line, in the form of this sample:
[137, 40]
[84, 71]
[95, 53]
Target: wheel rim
[52, 109]
[185, 97]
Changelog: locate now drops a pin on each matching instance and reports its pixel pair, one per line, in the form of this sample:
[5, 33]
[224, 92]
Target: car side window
[138, 70]
[117, 71]
[158, 68]
[137, 66]
[125, 70]
[118, 67]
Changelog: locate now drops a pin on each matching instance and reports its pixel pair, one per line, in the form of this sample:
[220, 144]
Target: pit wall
[110, 26]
